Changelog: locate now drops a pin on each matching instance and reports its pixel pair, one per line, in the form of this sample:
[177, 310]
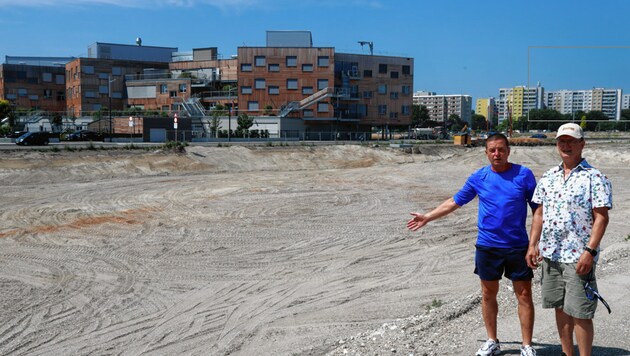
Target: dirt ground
[266, 251]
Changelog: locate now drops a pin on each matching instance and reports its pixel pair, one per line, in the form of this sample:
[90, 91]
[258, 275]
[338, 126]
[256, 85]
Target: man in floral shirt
[567, 229]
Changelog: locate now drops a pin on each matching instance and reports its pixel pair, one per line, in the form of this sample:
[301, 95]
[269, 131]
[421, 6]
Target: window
[393, 75]
[382, 68]
[322, 84]
[47, 77]
[308, 113]
[367, 94]
[96, 107]
[323, 61]
[259, 61]
[163, 89]
[103, 89]
[292, 84]
[405, 109]
[33, 97]
[406, 70]
[88, 69]
[382, 109]
[60, 79]
[246, 67]
[393, 115]
[47, 94]
[246, 90]
[382, 88]
[307, 90]
[252, 106]
[291, 61]
[61, 95]
[173, 93]
[274, 67]
[259, 83]
[22, 92]
[90, 94]
[393, 95]
[406, 89]
[274, 90]
[367, 73]
[322, 107]
[103, 76]
[116, 71]
[307, 67]
[182, 88]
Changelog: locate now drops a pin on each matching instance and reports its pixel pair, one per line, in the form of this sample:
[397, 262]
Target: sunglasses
[592, 293]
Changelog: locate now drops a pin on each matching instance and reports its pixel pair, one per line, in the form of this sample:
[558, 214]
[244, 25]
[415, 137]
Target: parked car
[84, 135]
[16, 134]
[539, 135]
[33, 138]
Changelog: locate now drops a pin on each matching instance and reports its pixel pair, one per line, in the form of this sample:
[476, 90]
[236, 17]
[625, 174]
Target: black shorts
[492, 263]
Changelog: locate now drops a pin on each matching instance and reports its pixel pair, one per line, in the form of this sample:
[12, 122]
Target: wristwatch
[591, 251]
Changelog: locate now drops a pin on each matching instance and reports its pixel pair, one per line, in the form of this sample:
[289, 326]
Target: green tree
[595, 119]
[420, 116]
[544, 119]
[5, 108]
[244, 122]
[454, 123]
[57, 121]
[268, 110]
[478, 122]
[215, 123]
[521, 124]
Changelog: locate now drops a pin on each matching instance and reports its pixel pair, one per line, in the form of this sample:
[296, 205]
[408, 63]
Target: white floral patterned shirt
[568, 209]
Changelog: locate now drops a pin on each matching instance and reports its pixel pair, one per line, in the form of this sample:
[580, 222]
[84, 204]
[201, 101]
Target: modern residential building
[608, 101]
[518, 101]
[442, 106]
[307, 88]
[205, 80]
[486, 107]
[93, 84]
[625, 102]
[34, 83]
[328, 91]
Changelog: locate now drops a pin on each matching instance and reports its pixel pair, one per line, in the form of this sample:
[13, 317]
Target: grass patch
[436, 303]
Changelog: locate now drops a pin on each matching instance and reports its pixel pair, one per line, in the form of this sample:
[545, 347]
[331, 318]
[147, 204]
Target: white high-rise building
[442, 106]
[608, 101]
[520, 100]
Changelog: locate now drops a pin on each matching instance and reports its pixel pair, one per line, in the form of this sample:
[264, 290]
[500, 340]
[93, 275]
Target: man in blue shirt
[504, 190]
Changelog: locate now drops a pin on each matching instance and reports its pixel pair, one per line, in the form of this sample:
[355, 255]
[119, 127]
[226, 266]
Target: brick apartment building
[313, 88]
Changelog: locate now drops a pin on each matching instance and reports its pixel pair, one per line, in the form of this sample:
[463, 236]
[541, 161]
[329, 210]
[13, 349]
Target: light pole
[109, 91]
[229, 114]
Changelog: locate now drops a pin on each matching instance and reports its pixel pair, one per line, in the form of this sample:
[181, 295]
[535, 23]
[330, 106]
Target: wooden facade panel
[280, 78]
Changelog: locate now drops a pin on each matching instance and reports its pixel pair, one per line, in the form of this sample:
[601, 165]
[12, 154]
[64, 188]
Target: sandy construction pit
[266, 251]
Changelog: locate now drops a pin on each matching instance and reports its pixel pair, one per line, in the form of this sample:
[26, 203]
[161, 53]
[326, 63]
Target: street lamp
[109, 91]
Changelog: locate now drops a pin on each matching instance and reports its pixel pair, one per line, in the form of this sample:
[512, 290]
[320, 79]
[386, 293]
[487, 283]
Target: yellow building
[486, 107]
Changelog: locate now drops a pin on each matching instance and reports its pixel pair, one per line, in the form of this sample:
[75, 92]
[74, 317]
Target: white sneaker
[528, 350]
[489, 347]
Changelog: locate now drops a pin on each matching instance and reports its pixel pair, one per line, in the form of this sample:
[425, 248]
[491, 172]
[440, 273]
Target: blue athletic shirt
[503, 199]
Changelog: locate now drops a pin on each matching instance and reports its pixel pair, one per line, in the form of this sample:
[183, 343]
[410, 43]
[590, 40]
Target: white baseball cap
[570, 129]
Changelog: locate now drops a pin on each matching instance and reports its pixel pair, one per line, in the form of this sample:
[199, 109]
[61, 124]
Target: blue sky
[459, 46]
